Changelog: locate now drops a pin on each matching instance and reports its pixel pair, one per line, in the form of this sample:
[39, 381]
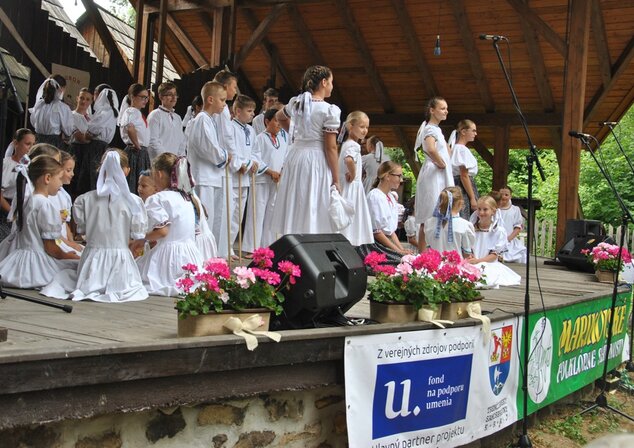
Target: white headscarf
[10, 150]
[103, 111]
[125, 103]
[301, 119]
[22, 168]
[39, 97]
[452, 139]
[112, 182]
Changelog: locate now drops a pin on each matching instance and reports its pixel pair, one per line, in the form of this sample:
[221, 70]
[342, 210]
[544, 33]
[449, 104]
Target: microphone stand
[602, 400]
[15, 295]
[532, 159]
[630, 362]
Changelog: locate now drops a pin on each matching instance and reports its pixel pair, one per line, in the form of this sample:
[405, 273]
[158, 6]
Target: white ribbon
[475, 311]
[111, 182]
[419, 139]
[452, 139]
[429, 315]
[39, 97]
[125, 103]
[10, 150]
[22, 168]
[248, 328]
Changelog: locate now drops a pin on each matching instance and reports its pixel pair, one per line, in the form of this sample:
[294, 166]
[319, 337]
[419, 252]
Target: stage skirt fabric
[139, 161]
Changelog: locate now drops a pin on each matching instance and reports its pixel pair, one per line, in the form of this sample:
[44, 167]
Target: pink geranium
[263, 257]
[428, 260]
[373, 259]
[292, 270]
[604, 256]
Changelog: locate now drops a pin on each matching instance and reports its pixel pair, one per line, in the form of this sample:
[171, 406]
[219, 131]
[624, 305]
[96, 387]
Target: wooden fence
[546, 234]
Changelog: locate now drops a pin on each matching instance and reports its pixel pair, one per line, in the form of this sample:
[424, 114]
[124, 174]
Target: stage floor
[39, 330]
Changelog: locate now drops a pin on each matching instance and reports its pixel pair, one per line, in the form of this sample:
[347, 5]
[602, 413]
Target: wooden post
[574, 100]
[160, 54]
[138, 38]
[501, 156]
[216, 40]
[144, 49]
[149, 51]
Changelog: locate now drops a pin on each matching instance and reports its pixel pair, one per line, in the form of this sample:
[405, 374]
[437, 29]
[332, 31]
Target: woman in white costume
[135, 132]
[464, 165]
[370, 162]
[51, 117]
[311, 165]
[435, 174]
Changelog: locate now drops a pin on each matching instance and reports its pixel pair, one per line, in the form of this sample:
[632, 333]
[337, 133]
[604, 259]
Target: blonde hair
[488, 200]
[243, 101]
[39, 166]
[464, 125]
[354, 117]
[384, 169]
[211, 88]
[456, 193]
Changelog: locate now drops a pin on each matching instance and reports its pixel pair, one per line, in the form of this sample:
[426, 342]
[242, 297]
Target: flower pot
[605, 276]
[392, 312]
[212, 324]
[456, 310]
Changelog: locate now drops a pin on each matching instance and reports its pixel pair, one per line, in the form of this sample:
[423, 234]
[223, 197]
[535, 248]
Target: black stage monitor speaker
[583, 227]
[570, 254]
[333, 278]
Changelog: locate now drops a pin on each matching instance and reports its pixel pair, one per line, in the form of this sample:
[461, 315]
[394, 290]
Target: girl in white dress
[446, 230]
[384, 208]
[36, 258]
[359, 231]
[490, 245]
[109, 217]
[80, 139]
[50, 116]
[370, 162]
[63, 203]
[135, 132]
[311, 166]
[435, 174]
[513, 223]
[172, 223]
[464, 165]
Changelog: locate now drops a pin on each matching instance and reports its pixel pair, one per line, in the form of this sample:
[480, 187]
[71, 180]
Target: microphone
[493, 37]
[580, 135]
[608, 123]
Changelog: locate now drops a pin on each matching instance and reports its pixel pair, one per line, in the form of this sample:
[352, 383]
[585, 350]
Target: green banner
[568, 348]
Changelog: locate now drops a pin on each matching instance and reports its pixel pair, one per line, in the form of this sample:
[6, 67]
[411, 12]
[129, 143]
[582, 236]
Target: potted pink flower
[604, 257]
[216, 291]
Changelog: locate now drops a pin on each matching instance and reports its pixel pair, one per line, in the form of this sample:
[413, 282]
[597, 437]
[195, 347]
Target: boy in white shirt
[166, 126]
[271, 97]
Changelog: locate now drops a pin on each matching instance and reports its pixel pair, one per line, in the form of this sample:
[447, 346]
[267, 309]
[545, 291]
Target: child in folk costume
[359, 231]
[370, 162]
[464, 165]
[80, 138]
[490, 245]
[192, 110]
[109, 217]
[271, 97]
[384, 209]
[36, 258]
[172, 220]
[135, 132]
[311, 167]
[22, 142]
[409, 222]
[146, 186]
[50, 116]
[513, 222]
[241, 166]
[63, 203]
[270, 150]
[207, 157]
[101, 130]
[166, 126]
[435, 174]
[446, 230]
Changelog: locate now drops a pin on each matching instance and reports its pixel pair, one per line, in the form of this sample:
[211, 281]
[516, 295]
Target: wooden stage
[105, 358]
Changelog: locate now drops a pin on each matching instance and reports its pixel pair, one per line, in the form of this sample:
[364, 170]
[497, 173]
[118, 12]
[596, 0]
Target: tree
[124, 11]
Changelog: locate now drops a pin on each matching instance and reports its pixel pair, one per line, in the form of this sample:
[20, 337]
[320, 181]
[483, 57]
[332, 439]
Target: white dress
[63, 204]
[370, 166]
[494, 241]
[107, 271]
[304, 192]
[463, 235]
[360, 229]
[512, 218]
[163, 265]
[29, 266]
[432, 180]
[383, 211]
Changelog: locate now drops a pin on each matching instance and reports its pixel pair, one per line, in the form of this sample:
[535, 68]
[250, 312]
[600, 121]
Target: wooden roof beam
[468, 42]
[483, 151]
[160, 54]
[618, 69]
[180, 68]
[258, 35]
[190, 5]
[407, 26]
[601, 42]
[306, 36]
[186, 42]
[266, 47]
[535, 119]
[526, 13]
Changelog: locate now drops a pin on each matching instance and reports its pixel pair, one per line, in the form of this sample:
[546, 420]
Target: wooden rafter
[258, 35]
[468, 42]
[188, 5]
[266, 47]
[183, 38]
[618, 69]
[182, 51]
[160, 54]
[483, 151]
[407, 26]
[304, 32]
[526, 13]
[138, 35]
[535, 119]
[601, 42]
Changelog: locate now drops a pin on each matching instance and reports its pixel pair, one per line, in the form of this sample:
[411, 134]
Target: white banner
[431, 388]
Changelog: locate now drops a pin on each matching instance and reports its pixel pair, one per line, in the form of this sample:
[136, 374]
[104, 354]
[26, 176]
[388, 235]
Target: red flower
[263, 257]
[429, 260]
[218, 267]
[190, 267]
[452, 256]
[385, 269]
[290, 269]
[373, 259]
[272, 278]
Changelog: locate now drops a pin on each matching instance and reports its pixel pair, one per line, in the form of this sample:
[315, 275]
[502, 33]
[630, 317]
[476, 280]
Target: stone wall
[308, 418]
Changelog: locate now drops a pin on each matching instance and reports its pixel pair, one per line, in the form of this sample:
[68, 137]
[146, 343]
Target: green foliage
[124, 11]
[570, 428]
[418, 290]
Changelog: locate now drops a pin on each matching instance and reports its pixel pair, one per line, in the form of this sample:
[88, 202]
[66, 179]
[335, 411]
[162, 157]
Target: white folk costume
[359, 231]
[431, 179]
[109, 217]
[494, 240]
[28, 265]
[370, 165]
[163, 265]
[411, 228]
[384, 210]
[462, 157]
[139, 159]
[166, 133]
[511, 219]
[8, 192]
[77, 149]
[102, 128]
[258, 123]
[447, 232]
[304, 193]
[63, 204]
[270, 151]
[207, 160]
[51, 120]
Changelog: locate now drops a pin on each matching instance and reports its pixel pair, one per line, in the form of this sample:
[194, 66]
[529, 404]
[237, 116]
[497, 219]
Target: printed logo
[540, 360]
[500, 349]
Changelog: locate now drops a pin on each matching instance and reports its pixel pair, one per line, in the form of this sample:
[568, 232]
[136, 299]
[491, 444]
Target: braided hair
[313, 77]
